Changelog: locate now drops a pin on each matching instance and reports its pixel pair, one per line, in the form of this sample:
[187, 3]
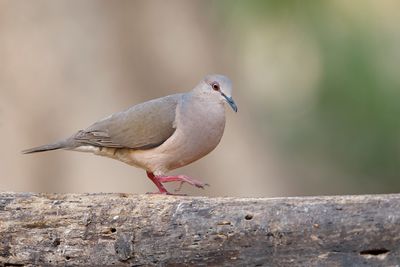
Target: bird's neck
[201, 103]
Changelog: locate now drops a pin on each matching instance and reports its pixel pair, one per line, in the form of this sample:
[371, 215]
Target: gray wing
[142, 126]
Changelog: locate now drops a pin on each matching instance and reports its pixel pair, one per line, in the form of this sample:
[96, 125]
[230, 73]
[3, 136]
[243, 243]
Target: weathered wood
[130, 230]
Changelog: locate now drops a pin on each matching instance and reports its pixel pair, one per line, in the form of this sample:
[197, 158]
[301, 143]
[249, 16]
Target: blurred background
[317, 84]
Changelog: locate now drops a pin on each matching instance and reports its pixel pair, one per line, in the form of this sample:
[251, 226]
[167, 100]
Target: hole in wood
[113, 230]
[67, 258]
[248, 217]
[374, 252]
[56, 242]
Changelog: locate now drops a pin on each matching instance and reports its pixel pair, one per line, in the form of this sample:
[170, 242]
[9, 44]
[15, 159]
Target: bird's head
[219, 87]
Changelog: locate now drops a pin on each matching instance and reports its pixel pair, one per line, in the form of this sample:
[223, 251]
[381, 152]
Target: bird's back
[142, 126]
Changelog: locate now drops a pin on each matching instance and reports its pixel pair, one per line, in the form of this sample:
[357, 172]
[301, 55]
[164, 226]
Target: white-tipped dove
[161, 134]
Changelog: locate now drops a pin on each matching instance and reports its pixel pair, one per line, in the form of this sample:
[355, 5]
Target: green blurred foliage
[357, 107]
[353, 123]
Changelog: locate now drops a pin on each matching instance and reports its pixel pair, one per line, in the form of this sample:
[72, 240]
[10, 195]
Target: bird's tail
[44, 148]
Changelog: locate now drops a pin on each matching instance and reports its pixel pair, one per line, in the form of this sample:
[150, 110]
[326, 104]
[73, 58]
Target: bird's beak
[231, 102]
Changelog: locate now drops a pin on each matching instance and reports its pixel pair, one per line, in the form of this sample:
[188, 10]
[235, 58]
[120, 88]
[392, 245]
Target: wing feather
[142, 126]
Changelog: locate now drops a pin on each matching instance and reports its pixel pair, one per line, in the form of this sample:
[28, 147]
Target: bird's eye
[215, 86]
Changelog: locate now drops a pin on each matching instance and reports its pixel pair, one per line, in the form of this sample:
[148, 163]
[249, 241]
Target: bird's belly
[192, 142]
[180, 149]
[121, 154]
[192, 139]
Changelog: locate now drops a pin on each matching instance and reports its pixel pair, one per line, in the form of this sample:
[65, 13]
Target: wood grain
[152, 230]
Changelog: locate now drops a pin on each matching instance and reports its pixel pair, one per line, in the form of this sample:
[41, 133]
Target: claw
[179, 187]
[182, 179]
[165, 193]
[158, 180]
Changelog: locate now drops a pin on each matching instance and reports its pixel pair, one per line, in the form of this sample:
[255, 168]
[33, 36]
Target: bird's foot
[166, 193]
[158, 180]
[182, 179]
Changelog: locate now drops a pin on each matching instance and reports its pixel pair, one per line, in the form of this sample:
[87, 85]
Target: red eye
[215, 86]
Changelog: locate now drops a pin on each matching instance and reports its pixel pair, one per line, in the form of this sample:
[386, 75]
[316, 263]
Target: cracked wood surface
[151, 230]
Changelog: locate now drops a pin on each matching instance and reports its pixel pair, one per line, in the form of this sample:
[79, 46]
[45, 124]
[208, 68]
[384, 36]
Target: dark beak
[231, 102]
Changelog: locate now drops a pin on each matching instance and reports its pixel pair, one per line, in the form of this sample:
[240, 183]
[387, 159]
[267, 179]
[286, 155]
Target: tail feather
[43, 148]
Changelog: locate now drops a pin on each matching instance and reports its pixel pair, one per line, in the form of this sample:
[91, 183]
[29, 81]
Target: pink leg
[159, 185]
[182, 179]
[158, 180]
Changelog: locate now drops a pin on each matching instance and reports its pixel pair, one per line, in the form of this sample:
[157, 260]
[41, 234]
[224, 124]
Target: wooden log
[152, 230]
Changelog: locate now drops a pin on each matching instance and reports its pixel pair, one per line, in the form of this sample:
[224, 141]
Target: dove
[159, 135]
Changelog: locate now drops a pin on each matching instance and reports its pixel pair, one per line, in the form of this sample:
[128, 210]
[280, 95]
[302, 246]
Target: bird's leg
[154, 179]
[182, 179]
[159, 179]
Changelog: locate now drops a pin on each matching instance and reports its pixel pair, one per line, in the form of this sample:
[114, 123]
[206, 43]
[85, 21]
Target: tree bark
[153, 230]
